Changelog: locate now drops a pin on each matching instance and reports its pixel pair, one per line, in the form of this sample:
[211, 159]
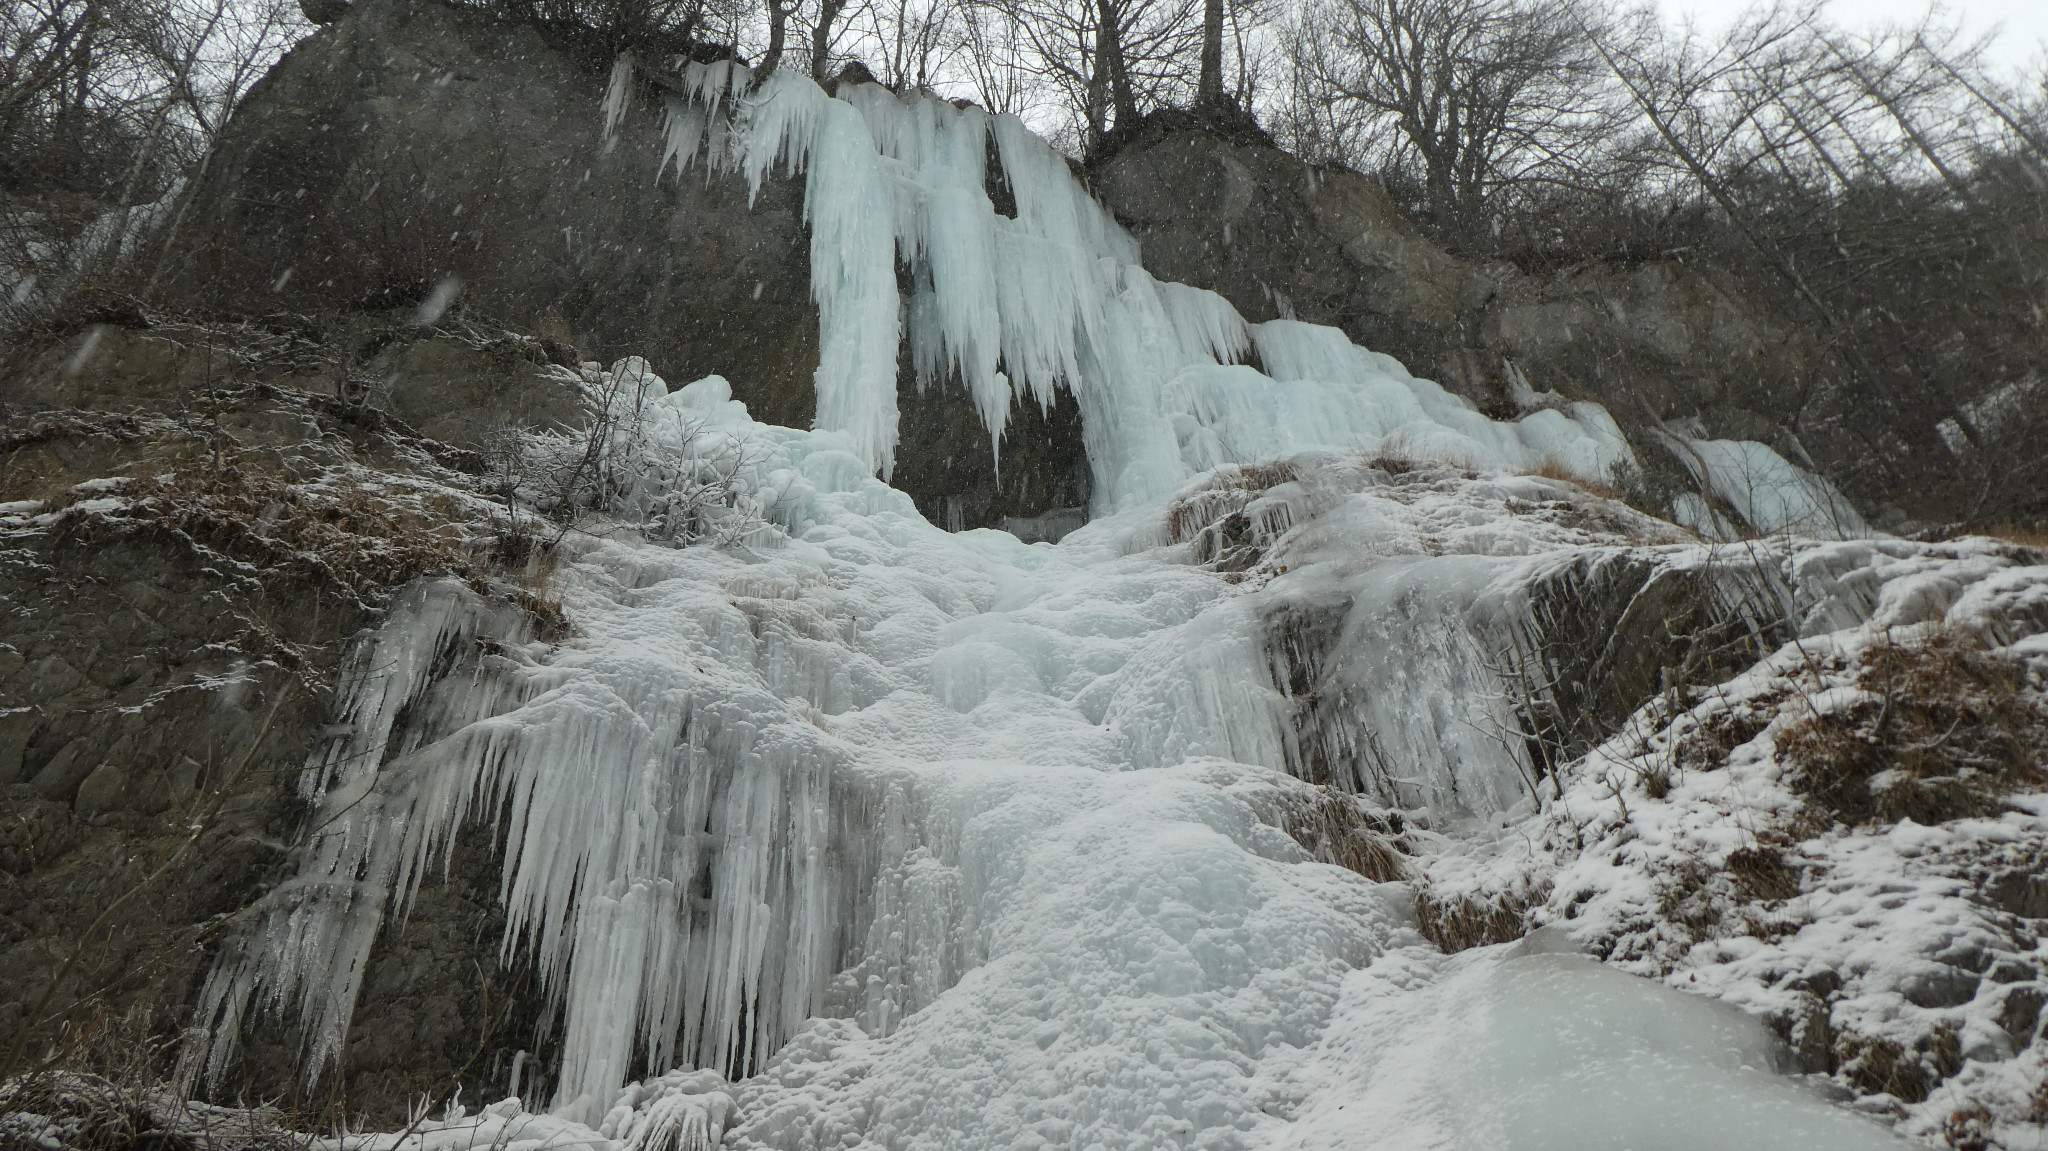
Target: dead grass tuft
[1394, 463]
[1335, 829]
[1706, 747]
[1551, 471]
[1968, 1130]
[1463, 922]
[1213, 518]
[1875, 1066]
[106, 1093]
[1878, 1066]
[78, 1111]
[2025, 535]
[1951, 732]
[1763, 873]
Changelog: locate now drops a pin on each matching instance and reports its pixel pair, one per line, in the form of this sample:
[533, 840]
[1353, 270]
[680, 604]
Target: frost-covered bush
[647, 464]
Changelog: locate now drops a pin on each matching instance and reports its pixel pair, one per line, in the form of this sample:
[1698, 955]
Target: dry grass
[1763, 873]
[1461, 922]
[344, 529]
[1877, 1066]
[1335, 829]
[107, 1094]
[2025, 535]
[1951, 732]
[1551, 471]
[1706, 747]
[1213, 518]
[1227, 492]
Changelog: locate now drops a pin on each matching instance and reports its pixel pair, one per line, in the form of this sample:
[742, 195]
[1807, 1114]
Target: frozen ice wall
[1014, 307]
[947, 836]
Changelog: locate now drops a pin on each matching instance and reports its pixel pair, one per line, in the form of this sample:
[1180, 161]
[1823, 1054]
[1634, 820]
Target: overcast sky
[2024, 23]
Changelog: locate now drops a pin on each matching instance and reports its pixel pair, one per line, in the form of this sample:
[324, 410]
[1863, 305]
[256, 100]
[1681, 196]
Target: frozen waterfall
[936, 840]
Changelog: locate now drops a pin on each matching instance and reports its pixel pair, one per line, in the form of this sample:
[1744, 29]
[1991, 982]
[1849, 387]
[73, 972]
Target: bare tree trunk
[1098, 80]
[821, 37]
[1121, 97]
[1209, 87]
[778, 27]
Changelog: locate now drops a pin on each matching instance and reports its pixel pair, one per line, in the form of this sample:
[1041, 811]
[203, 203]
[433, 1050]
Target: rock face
[162, 683]
[410, 150]
[410, 142]
[1279, 237]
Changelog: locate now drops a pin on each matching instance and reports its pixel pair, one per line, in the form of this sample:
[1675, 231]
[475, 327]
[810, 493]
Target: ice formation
[1055, 297]
[1767, 492]
[946, 840]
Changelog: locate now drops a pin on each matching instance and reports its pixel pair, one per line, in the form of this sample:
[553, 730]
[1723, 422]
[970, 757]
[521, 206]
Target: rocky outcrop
[187, 545]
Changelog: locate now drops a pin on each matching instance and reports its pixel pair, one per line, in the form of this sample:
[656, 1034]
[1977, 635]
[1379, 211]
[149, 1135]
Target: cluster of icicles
[1014, 307]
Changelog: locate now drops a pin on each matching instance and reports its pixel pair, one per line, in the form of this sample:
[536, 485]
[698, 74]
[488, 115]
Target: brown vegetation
[1763, 873]
[1951, 731]
[1213, 518]
[1877, 1066]
[1706, 747]
[1457, 923]
[1335, 829]
[109, 1097]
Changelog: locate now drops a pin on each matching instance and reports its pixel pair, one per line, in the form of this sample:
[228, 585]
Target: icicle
[682, 130]
[618, 98]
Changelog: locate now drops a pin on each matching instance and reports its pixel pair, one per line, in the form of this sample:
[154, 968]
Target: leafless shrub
[1951, 731]
[679, 486]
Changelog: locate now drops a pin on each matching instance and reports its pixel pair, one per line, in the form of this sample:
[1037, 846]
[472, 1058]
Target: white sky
[2023, 24]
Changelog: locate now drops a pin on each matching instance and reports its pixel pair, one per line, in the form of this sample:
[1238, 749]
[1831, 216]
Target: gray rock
[1939, 985]
[59, 779]
[411, 143]
[106, 789]
[2023, 893]
[2020, 1014]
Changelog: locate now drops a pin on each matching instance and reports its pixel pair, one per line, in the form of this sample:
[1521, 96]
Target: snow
[1887, 938]
[1519, 1047]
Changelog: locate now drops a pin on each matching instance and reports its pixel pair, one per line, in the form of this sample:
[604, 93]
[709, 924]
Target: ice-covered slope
[952, 841]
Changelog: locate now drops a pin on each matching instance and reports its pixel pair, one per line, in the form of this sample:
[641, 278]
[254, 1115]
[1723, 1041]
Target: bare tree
[1480, 96]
